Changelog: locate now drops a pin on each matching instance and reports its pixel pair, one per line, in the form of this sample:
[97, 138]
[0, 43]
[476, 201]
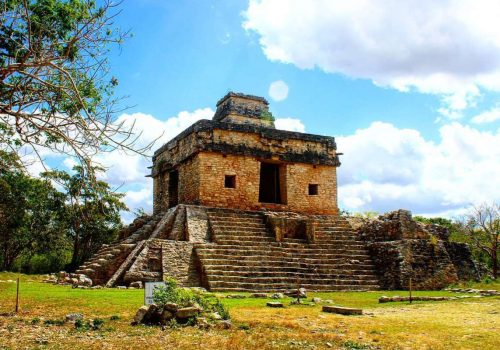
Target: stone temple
[242, 206]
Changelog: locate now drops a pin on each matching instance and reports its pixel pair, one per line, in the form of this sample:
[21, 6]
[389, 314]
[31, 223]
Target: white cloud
[450, 48]
[278, 90]
[126, 171]
[290, 124]
[487, 116]
[386, 168]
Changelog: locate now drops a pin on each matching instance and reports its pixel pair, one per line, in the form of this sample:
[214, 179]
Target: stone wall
[296, 179]
[402, 248]
[306, 157]
[179, 261]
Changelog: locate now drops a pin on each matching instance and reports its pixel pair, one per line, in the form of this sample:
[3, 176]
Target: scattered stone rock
[235, 296]
[342, 310]
[166, 316]
[277, 296]
[203, 323]
[316, 300]
[386, 299]
[136, 284]
[297, 293]
[187, 312]
[139, 316]
[274, 304]
[122, 287]
[259, 295]
[73, 317]
[224, 324]
[172, 307]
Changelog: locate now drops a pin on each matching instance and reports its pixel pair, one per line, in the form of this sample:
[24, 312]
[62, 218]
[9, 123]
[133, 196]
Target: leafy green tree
[92, 211]
[481, 225]
[55, 91]
[30, 216]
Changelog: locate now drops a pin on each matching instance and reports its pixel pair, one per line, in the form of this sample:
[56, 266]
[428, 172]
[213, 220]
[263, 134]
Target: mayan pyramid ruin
[242, 206]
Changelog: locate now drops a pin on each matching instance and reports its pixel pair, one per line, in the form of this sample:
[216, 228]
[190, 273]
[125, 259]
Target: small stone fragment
[187, 312]
[136, 284]
[342, 310]
[165, 316]
[172, 307]
[259, 295]
[274, 304]
[224, 324]
[73, 317]
[139, 316]
[235, 296]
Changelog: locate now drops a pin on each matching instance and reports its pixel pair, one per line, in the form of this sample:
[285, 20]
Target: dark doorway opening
[173, 188]
[270, 187]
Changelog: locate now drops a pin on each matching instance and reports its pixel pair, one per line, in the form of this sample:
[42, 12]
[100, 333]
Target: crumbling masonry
[240, 205]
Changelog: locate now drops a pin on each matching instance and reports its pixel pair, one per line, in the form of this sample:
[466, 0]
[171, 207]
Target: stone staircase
[243, 256]
[103, 265]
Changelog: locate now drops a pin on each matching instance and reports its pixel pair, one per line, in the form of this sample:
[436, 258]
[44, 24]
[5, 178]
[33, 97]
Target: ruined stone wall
[213, 168]
[308, 159]
[160, 192]
[297, 177]
[402, 248]
[179, 261]
[189, 181]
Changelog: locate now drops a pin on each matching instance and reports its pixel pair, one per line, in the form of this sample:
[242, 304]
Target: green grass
[467, 323]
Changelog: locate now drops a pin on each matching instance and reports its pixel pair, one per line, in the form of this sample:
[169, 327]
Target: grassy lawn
[472, 323]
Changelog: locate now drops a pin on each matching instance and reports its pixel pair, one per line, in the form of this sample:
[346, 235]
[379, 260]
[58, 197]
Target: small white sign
[149, 288]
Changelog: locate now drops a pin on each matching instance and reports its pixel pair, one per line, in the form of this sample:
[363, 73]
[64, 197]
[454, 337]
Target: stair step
[251, 287]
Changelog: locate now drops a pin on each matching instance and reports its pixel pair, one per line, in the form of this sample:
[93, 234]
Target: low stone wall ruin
[404, 249]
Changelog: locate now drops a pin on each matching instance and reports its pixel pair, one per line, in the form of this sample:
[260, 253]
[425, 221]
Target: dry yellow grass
[465, 324]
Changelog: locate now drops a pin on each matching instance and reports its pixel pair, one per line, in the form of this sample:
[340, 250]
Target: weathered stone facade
[402, 248]
[239, 205]
[268, 168]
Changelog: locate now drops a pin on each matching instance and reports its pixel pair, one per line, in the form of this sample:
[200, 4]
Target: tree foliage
[92, 211]
[481, 225]
[30, 216]
[55, 91]
[40, 223]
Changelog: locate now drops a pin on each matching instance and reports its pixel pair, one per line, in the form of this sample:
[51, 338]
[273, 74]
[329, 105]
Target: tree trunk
[76, 250]
[494, 263]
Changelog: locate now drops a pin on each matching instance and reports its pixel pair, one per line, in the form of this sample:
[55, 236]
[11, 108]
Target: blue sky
[187, 54]
[409, 89]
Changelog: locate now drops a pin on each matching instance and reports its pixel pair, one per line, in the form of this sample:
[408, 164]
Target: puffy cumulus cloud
[278, 90]
[386, 168]
[290, 124]
[450, 47]
[487, 116]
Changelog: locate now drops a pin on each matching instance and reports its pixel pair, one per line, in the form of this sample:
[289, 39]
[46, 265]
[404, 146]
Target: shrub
[97, 323]
[53, 322]
[171, 293]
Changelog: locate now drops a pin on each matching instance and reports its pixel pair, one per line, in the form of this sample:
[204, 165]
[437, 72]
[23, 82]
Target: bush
[171, 293]
[95, 325]
[53, 322]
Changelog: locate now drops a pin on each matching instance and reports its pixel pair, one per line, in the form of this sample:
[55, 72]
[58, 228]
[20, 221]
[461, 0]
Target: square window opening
[313, 189]
[230, 181]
